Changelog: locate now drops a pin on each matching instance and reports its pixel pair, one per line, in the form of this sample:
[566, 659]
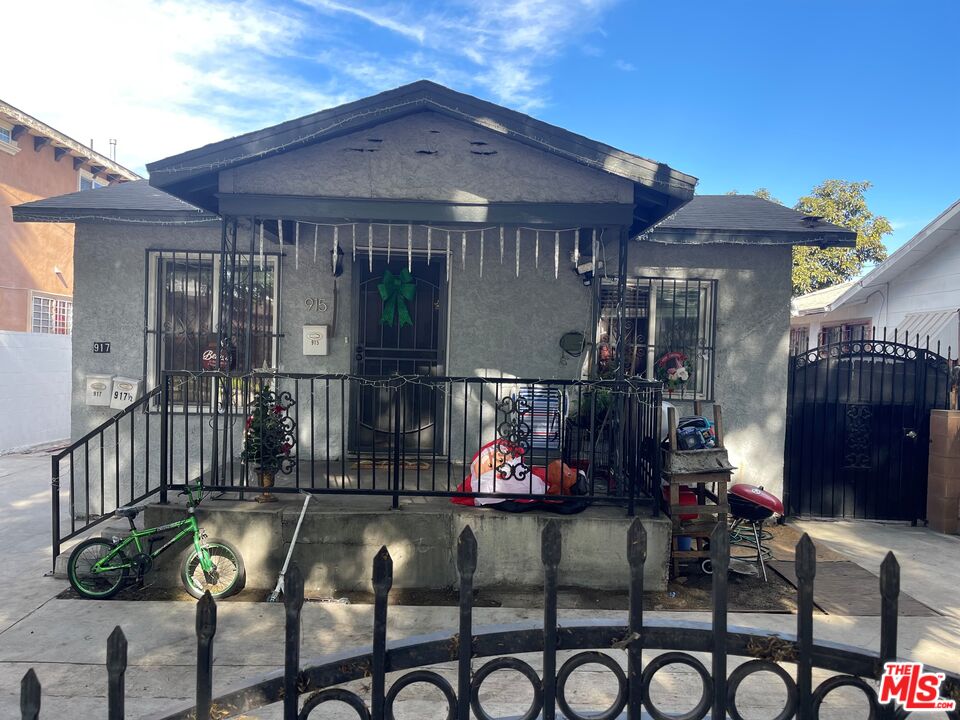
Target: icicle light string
[296, 245]
[261, 246]
[597, 243]
[316, 237]
[336, 244]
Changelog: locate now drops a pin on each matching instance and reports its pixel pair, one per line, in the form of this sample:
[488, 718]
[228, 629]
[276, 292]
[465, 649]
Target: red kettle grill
[751, 505]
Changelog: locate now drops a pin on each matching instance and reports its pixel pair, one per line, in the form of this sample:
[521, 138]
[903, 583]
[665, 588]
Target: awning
[926, 324]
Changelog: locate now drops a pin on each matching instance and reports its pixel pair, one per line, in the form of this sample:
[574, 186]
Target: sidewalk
[65, 640]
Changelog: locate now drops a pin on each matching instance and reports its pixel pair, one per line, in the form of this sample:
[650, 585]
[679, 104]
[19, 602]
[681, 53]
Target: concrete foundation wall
[34, 389]
[337, 544]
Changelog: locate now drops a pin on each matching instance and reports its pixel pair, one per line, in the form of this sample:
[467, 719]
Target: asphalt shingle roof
[743, 213]
[130, 198]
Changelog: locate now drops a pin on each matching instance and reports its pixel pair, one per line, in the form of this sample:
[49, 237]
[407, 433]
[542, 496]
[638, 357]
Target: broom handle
[296, 533]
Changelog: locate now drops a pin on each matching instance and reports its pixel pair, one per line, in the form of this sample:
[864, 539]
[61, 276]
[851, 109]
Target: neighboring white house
[913, 293]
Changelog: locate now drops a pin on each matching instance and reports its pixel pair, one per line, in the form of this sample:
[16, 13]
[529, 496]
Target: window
[661, 316]
[89, 182]
[52, 315]
[844, 333]
[799, 339]
[7, 143]
[183, 317]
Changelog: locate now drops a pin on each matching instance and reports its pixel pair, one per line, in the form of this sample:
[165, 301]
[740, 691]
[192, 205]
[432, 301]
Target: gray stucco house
[270, 251]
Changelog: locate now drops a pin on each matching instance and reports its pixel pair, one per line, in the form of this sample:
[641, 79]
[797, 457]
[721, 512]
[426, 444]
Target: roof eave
[700, 236]
[25, 214]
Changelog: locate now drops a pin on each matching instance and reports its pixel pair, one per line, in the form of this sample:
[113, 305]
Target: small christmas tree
[268, 437]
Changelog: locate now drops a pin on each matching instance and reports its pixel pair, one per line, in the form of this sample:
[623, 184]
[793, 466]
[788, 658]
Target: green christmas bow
[396, 291]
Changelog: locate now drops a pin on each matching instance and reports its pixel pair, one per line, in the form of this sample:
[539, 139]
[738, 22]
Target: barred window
[847, 332]
[799, 339]
[52, 315]
[669, 324]
[183, 317]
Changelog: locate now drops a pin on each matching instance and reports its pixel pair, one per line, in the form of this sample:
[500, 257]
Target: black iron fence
[412, 435]
[110, 466]
[397, 436]
[616, 646]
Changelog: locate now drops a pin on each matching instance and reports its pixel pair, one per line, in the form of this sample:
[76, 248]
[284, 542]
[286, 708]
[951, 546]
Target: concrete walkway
[64, 640]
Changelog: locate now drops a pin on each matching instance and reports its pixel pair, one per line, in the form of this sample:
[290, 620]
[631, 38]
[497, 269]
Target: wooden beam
[78, 162]
[96, 169]
[59, 152]
[17, 132]
[112, 177]
[39, 142]
[362, 209]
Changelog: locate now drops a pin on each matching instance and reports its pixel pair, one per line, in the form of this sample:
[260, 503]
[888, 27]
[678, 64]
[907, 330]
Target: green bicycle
[98, 568]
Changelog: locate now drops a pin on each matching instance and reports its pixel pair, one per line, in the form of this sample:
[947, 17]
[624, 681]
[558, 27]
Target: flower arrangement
[673, 370]
[268, 437]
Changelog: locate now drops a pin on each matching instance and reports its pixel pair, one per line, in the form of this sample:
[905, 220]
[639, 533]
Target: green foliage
[268, 437]
[843, 203]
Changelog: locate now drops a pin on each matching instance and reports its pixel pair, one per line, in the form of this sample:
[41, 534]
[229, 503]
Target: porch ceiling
[193, 176]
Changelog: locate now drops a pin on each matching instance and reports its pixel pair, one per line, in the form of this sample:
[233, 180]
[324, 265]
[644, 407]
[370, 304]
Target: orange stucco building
[36, 259]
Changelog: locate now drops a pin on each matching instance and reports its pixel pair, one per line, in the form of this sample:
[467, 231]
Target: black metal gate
[858, 415]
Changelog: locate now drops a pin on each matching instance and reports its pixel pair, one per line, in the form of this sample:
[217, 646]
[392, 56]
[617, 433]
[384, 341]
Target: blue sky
[741, 93]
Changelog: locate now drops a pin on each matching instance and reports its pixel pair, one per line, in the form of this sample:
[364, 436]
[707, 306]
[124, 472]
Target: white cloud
[625, 66]
[164, 76]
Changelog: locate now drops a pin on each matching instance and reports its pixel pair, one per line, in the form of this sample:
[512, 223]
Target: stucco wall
[34, 389]
[500, 325]
[753, 321]
[427, 156]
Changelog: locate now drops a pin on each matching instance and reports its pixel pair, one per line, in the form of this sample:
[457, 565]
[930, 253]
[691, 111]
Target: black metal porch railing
[616, 646]
[110, 466]
[415, 435]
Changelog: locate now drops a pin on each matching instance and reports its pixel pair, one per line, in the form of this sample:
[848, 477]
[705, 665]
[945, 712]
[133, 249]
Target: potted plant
[268, 438]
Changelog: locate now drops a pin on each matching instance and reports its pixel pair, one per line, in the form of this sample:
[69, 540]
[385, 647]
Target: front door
[413, 347]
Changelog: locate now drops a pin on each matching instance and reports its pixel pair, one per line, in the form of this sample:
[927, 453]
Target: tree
[840, 202]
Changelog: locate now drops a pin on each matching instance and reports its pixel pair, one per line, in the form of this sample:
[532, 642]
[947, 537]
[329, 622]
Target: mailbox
[315, 340]
[125, 392]
[98, 389]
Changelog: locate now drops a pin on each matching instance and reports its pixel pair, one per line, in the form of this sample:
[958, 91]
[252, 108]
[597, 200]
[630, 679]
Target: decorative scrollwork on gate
[858, 436]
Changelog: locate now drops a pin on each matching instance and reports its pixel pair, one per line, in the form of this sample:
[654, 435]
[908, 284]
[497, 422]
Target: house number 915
[316, 304]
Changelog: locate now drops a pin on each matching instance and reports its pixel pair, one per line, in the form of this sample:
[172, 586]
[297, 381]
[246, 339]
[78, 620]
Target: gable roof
[941, 229]
[820, 300]
[193, 175]
[747, 219]
[135, 200]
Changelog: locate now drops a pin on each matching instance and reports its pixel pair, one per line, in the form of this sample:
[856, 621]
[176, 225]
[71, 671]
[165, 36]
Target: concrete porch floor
[341, 534]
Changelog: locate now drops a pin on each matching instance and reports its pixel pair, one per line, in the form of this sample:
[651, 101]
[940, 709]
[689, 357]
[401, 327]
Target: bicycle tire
[112, 586]
[195, 586]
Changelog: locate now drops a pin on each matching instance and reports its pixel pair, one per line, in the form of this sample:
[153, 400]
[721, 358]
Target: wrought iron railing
[617, 646]
[414, 435]
[108, 467]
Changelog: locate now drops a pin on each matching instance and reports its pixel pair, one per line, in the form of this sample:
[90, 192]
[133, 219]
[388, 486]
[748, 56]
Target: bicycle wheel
[98, 585]
[227, 577]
